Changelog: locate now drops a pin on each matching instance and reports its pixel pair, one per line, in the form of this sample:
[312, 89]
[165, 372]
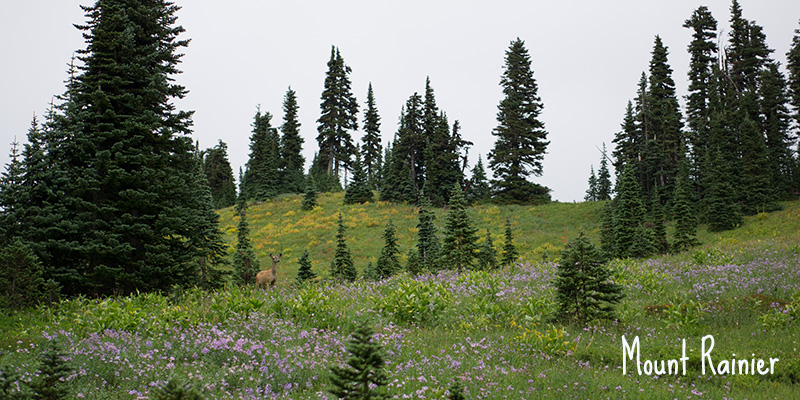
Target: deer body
[269, 277]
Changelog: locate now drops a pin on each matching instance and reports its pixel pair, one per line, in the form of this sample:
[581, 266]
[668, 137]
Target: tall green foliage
[603, 177]
[478, 189]
[310, 195]
[245, 263]
[262, 175]
[584, 290]
[342, 267]
[219, 175]
[292, 162]
[521, 137]
[362, 377]
[11, 194]
[510, 253]
[119, 202]
[683, 211]
[591, 191]
[793, 67]
[629, 213]
[339, 115]
[372, 149]
[487, 256]
[304, 273]
[459, 244]
[428, 245]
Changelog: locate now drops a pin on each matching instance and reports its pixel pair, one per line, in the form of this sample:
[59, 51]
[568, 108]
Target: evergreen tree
[372, 148]
[339, 111]
[722, 211]
[747, 52]
[510, 253]
[664, 124]
[584, 290]
[342, 267]
[591, 192]
[626, 142]
[608, 243]
[362, 377]
[122, 160]
[208, 240]
[456, 391]
[487, 257]
[459, 244]
[478, 189]
[11, 186]
[656, 224]
[629, 213]
[409, 148]
[388, 263]
[304, 273]
[50, 382]
[262, 175]
[793, 67]
[245, 264]
[172, 390]
[397, 184]
[683, 212]
[22, 282]
[292, 162]
[774, 102]
[703, 51]
[219, 175]
[521, 138]
[443, 163]
[310, 196]
[358, 190]
[603, 178]
[428, 246]
[756, 193]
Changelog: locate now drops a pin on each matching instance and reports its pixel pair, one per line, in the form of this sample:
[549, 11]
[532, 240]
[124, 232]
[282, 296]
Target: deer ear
[280, 255]
[270, 254]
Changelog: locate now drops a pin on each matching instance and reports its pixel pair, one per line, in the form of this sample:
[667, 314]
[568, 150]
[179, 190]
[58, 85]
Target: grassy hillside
[540, 232]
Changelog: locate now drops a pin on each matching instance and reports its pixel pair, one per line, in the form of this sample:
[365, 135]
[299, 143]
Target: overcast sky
[587, 58]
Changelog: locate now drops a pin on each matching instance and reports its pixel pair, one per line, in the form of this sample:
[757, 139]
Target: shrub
[362, 377]
[415, 302]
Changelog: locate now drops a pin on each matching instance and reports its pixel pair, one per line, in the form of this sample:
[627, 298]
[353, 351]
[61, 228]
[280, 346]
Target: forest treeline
[111, 195]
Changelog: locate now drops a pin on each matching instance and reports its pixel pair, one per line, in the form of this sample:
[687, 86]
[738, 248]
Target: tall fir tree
[342, 267]
[793, 68]
[362, 377]
[591, 191]
[245, 263]
[478, 189]
[123, 175]
[510, 253]
[774, 102]
[584, 290]
[11, 181]
[603, 177]
[219, 175]
[629, 213]
[339, 110]
[443, 163]
[521, 137]
[626, 142]
[722, 211]
[399, 176]
[372, 149]
[703, 53]
[209, 238]
[262, 175]
[388, 262]
[428, 245]
[459, 243]
[358, 190]
[292, 162]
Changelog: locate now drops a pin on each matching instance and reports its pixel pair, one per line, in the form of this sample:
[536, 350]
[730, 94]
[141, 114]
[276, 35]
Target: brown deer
[269, 276]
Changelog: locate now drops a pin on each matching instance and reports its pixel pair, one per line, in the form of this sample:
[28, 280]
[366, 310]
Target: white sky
[587, 57]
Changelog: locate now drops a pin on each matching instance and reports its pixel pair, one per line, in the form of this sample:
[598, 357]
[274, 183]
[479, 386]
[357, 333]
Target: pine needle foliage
[304, 273]
[173, 390]
[459, 244]
[362, 377]
[388, 262]
[310, 195]
[50, 382]
[584, 290]
[510, 253]
[342, 267]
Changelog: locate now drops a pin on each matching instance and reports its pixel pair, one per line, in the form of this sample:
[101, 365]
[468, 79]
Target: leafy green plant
[685, 317]
[553, 341]
[414, 302]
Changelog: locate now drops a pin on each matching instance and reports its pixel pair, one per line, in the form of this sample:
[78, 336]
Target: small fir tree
[388, 262]
[9, 381]
[51, 380]
[629, 212]
[607, 241]
[510, 253]
[591, 192]
[478, 186]
[584, 291]
[304, 273]
[11, 193]
[358, 190]
[22, 282]
[173, 390]
[487, 257]
[603, 178]
[291, 147]
[362, 377]
[428, 245]
[372, 148]
[414, 264]
[310, 196]
[245, 264]
[456, 391]
[459, 245]
[342, 267]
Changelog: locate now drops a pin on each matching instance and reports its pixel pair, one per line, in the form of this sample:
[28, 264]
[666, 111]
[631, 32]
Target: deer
[269, 276]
